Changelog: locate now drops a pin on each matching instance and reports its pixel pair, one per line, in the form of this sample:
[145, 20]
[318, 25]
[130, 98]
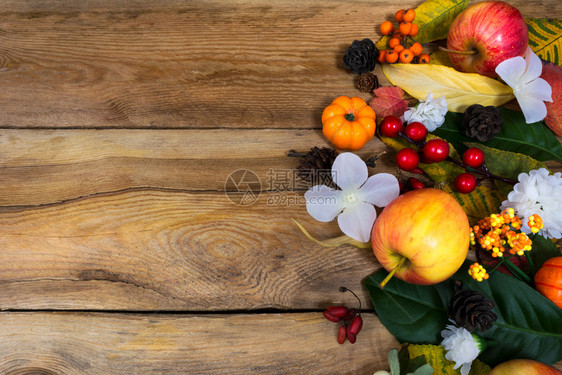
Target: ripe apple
[524, 367]
[421, 237]
[484, 35]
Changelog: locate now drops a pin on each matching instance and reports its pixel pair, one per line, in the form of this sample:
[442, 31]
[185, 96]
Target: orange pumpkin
[348, 123]
[548, 280]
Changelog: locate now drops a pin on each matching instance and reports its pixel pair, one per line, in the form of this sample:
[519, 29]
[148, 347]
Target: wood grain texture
[75, 344]
[151, 250]
[183, 64]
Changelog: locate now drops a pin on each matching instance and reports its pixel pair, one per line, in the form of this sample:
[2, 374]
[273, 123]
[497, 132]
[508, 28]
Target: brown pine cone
[316, 166]
[482, 123]
[472, 310]
[367, 82]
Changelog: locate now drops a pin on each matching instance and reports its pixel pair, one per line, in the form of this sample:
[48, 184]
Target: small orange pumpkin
[348, 123]
[548, 280]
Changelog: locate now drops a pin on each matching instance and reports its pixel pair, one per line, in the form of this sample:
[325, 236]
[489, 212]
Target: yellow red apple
[524, 367]
[492, 31]
[422, 237]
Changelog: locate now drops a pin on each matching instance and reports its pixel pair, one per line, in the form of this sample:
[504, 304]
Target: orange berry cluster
[535, 223]
[478, 272]
[399, 49]
[496, 231]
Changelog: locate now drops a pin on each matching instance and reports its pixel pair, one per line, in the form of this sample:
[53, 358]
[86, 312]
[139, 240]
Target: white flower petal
[323, 203]
[533, 109]
[511, 70]
[538, 88]
[533, 67]
[349, 171]
[380, 189]
[357, 221]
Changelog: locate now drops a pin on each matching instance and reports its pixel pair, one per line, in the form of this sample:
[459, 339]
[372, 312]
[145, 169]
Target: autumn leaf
[553, 75]
[545, 38]
[459, 89]
[389, 101]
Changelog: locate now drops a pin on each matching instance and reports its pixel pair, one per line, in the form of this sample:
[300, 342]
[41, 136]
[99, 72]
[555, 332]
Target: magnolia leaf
[543, 250]
[433, 18]
[435, 355]
[534, 140]
[482, 202]
[389, 101]
[545, 38]
[553, 75]
[506, 164]
[528, 324]
[459, 89]
[439, 57]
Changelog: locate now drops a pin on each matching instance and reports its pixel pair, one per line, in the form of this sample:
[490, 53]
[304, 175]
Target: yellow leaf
[459, 89]
[433, 18]
[545, 38]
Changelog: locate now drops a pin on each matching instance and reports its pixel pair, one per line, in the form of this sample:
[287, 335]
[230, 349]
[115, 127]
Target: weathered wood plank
[250, 64]
[68, 343]
[151, 250]
[40, 167]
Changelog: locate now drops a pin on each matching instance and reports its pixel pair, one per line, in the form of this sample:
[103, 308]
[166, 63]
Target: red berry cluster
[351, 318]
[432, 151]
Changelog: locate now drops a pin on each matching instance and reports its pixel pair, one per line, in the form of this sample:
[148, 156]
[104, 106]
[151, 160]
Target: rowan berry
[382, 55]
[416, 48]
[407, 159]
[406, 56]
[424, 58]
[414, 30]
[391, 57]
[409, 15]
[473, 157]
[416, 131]
[393, 42]
[415, 183]
[399, 48]
[405, 28]
[390, 126]
[399, 16]
[386, 27]
[436, 150]
[465, 183]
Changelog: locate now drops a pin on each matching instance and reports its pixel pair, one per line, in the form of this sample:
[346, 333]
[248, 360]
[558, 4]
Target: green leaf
[412, 313]
[543, 250]
[482, 202]
[393, 362]
[545, 38]
[528, 324]
[423, 370]
[534, 140]
[435, 355]
[433, 18]
[506, 164]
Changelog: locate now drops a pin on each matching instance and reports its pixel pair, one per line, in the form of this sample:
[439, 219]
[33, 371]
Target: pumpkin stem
[350, 117]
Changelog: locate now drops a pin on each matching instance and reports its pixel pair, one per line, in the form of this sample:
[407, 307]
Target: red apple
[422, 236]
[484, 35]
[524, 367]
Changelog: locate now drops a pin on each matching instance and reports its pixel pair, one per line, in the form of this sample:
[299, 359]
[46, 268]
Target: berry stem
[482, 170]
[344, 289]
[418, 144]
[398, 267]
[517, 271]
[467, 52]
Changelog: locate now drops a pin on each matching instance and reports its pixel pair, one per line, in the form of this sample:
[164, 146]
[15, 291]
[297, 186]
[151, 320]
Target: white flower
[462, 347]
[539, 193]
[530, 91]
[354, 202]
[430, 112]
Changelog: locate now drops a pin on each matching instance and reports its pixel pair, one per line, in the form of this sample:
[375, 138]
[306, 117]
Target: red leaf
[389, 101]
[552, 73]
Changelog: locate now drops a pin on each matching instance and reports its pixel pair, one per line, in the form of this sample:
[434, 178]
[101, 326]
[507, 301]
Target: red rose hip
[436, 150]
[407, 159]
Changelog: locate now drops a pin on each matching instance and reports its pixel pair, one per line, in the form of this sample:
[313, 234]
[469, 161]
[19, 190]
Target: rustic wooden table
[121, 121]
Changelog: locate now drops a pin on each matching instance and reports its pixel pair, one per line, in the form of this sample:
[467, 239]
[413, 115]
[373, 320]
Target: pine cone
[361, 56]
[472, 310]
[367, 82]
[316, 166]
[482, 123]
